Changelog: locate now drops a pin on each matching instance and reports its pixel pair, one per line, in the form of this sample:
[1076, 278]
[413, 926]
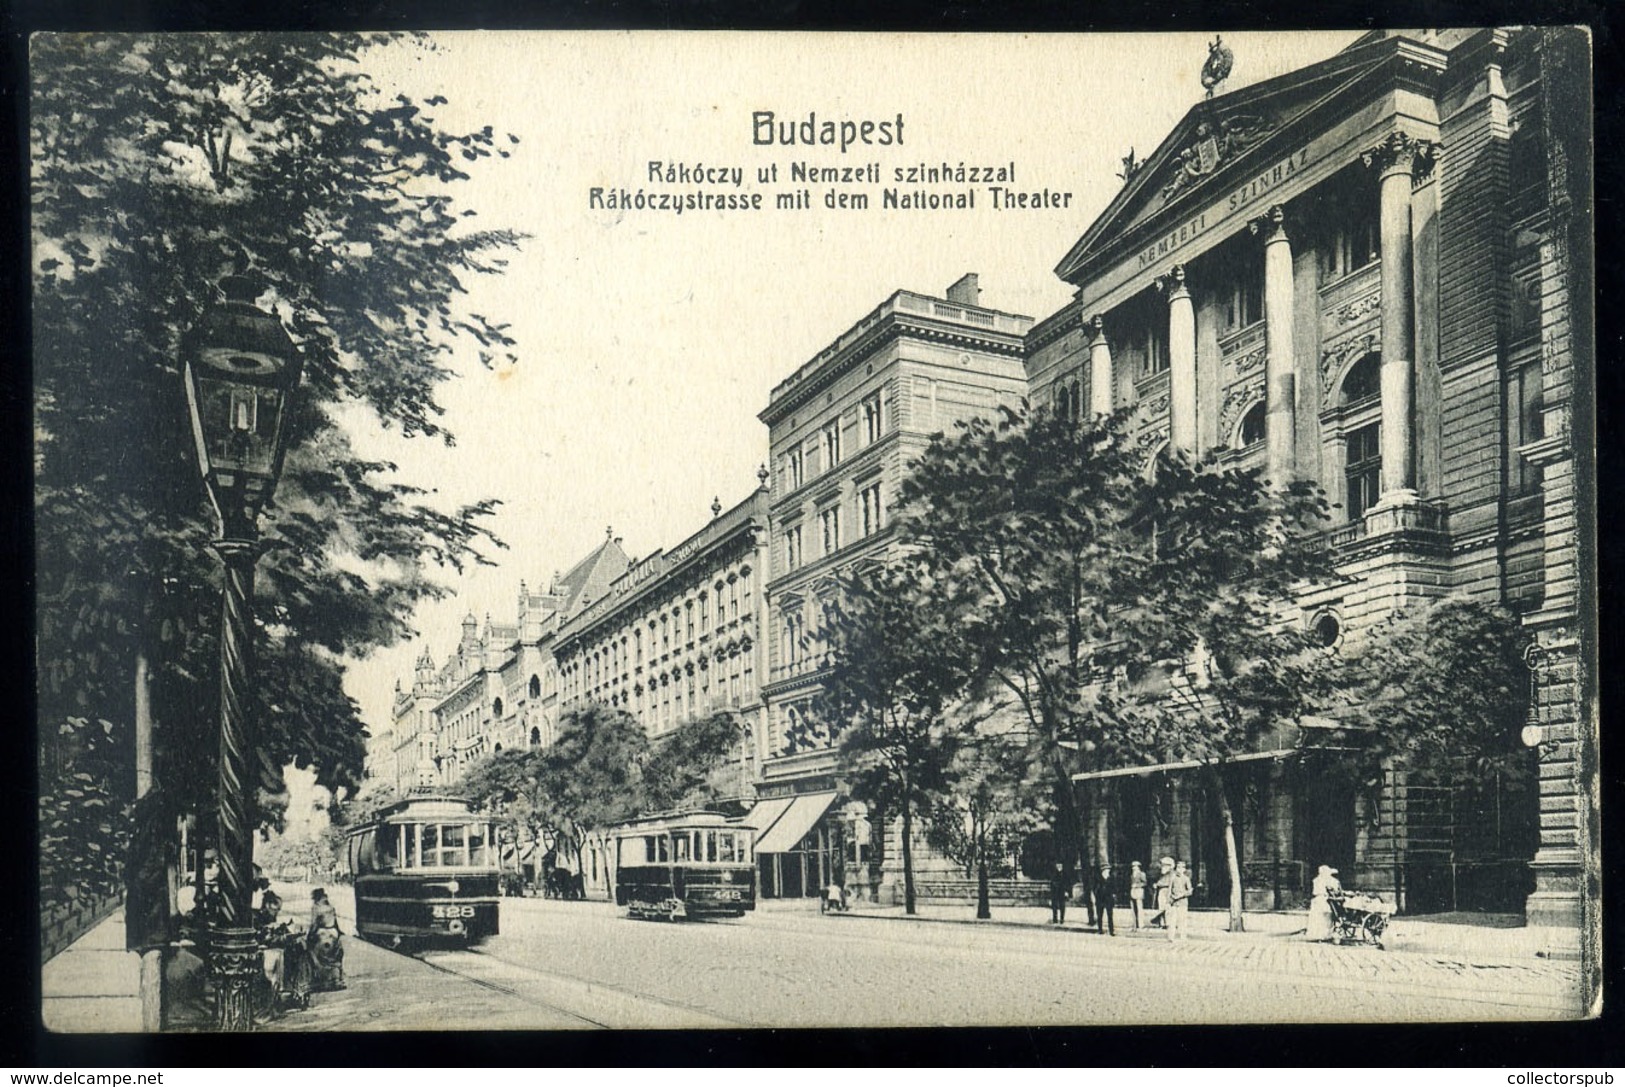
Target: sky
[649, 341]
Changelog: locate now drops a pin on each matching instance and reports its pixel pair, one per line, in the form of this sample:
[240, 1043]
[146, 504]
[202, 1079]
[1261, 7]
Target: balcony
[1413, 526]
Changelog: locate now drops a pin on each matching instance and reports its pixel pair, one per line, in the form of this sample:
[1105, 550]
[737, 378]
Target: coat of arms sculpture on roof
[1217, 141]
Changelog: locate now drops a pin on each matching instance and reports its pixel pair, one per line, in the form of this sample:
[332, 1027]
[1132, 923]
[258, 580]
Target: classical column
[1181, 363]
[1280, 367]
[1396, 159]
[1100, 369]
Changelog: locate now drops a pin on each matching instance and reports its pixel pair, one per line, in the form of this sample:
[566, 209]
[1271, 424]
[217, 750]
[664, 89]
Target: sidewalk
[1458, 935]
[94, 985]
[1420, 952]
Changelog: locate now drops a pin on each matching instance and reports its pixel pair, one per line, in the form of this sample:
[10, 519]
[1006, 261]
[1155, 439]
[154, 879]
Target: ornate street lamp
[240, 370]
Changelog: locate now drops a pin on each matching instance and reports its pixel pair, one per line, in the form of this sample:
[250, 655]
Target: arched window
[535, 737]
[496, 708]
[535, 687]
[497, 749]
[1252, 426]
[1364, 379]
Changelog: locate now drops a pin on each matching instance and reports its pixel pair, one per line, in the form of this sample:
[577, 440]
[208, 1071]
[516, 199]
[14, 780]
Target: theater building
[841, 431]
[1372, 273]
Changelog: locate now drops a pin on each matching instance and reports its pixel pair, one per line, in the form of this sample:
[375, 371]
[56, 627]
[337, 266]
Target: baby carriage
[1358, 918]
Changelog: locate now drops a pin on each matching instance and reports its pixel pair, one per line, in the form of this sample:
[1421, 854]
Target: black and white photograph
[718, 530]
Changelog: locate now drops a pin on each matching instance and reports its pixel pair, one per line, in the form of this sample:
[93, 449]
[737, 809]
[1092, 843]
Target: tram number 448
[454, 911]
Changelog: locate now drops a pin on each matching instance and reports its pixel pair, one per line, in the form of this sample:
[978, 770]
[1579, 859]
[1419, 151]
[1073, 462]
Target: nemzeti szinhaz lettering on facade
[1371, 273]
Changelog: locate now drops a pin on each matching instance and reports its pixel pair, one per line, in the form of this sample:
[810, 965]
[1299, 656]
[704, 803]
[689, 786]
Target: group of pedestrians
[1169, 903]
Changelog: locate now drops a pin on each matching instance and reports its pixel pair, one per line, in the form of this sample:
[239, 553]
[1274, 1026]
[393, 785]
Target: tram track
[607, 1006]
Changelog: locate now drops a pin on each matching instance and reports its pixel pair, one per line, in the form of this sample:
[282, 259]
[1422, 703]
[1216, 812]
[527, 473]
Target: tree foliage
[160, 163]
[603, 770]
[1095, 570]
[1032, 516]
[696, 765]
[898, 664]
[1444, 689]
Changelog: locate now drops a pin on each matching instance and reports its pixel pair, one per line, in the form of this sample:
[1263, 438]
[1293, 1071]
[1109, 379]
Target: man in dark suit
[1059, 887]
[1105, 900]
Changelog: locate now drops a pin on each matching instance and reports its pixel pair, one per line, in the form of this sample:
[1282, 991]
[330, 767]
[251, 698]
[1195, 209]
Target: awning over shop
[765, 813]
[794, 824]
[1165, 767]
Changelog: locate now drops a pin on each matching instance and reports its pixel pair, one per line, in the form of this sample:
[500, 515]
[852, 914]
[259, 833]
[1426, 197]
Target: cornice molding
[894, 326]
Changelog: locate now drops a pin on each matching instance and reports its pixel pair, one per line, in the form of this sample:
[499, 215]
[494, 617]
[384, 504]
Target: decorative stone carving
[1252, 360]
[1237, 398]
[1401, 151]
[1173, 280]
[1335, 358]
[1216, 69]
[1364, 306]
[1268, 223]
[1217, 142]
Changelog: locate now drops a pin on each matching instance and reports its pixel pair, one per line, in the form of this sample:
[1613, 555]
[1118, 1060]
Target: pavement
[92, 987]
[1474, 938]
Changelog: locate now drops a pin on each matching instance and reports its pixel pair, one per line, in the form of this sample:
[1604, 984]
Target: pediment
[1220, 138]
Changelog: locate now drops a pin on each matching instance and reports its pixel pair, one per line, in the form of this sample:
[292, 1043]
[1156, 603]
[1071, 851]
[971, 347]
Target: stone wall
[61, 925]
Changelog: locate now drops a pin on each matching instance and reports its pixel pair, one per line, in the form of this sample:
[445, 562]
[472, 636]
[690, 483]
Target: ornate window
[829, 529]
[872, 423]
[792, 550]
[1252, 426]
[832, 444]
[1364, 379]
[1525, 423]
[869, 509]
[1362, 466]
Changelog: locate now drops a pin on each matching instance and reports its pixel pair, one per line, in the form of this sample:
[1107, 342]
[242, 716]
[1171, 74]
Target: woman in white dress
[1320, 910]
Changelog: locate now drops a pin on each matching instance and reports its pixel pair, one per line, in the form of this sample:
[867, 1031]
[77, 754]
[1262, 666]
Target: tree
[695, 765]
[1210, 657]
[897, 664]
[983, 816]
[590, 779]
[161, 162]
[1098, 569]
[1442, 690]
[1031, 517]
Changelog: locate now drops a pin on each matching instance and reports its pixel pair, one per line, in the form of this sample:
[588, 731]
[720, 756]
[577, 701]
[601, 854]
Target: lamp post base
[234, 960]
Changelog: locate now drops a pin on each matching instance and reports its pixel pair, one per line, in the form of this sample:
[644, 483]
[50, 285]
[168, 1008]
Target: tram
[692, 865]
[425, 870]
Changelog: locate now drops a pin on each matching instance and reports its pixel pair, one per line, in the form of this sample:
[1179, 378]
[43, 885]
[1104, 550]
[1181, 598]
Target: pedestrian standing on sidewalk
[1105, 899]
[1165, 883]
[1320, 908]
[1136, 891]
[1058, 888]
[1179, 901]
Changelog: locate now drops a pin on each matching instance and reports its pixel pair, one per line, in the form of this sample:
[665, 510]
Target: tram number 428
[454, 911]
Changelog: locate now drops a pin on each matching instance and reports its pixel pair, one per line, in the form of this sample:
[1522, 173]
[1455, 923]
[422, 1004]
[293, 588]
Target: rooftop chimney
[965, 291]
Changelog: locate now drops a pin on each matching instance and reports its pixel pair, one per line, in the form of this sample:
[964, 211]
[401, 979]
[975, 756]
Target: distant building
[1371, 273]
[497, 689]
[676, 637]
[842, 430]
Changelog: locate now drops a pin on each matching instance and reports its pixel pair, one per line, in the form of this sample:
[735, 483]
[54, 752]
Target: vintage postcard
[567, 530]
